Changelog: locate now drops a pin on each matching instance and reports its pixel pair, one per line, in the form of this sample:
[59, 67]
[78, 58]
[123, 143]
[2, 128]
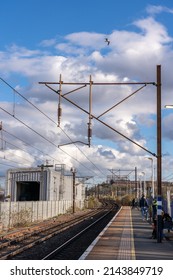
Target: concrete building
[42, 184]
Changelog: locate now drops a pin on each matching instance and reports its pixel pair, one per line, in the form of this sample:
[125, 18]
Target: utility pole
[73, 170]
[159, 158]
[136, 182]
[1, 136]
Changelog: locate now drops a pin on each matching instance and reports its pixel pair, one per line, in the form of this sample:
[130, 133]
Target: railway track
[78, 242]
[18, 247]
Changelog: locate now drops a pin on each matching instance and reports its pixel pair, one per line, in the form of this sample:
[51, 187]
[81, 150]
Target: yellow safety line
[132, 238]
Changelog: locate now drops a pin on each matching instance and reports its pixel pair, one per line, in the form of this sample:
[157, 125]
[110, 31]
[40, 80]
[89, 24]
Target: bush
[124, 201]
[21, 218]
[93, 202]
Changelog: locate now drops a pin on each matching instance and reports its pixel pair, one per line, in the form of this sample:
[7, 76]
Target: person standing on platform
[133, 203]
[143, 205]
[154, 208]
[154, 218]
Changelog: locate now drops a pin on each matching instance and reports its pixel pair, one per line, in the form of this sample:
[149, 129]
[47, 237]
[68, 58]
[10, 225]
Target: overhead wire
[21, 95]
[51, 121]
[41, 136]
[9, 151]
[33, 130]
[4, 158]
[29, 145]
[7, 164]
[168, 176]
[82, 152]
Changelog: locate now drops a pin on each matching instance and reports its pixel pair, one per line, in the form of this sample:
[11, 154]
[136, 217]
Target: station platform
[128, 237]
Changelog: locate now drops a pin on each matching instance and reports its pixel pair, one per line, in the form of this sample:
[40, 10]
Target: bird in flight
[107, 41]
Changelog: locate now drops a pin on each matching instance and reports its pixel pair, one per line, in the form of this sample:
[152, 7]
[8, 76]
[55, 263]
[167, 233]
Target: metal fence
[25, 212]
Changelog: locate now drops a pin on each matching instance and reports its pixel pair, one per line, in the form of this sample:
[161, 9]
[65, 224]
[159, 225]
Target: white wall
[26, 212]
[80, 191]
[68, 188]
[54, 185]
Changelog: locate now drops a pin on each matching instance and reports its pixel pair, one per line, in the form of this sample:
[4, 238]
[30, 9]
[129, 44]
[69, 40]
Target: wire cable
[51, 121]
[4, 158]
[41, 135]
[83, 153]
[29, 146]
[7, 165]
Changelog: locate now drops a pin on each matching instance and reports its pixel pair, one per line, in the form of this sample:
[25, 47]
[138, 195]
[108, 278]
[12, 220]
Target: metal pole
[90, 113]
[98, 191]
[159, 158]
[73, 190]
[59, 103]
[152, 175]
[136, 183]
[153, 194]
[144, 185]
[41, 182]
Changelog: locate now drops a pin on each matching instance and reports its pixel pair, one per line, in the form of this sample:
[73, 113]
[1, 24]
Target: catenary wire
[4, 150]
[28, 145]
[42, 136]
[51, 121]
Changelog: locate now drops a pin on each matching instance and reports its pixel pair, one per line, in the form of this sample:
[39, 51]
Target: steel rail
[70, 240]
[48, 233]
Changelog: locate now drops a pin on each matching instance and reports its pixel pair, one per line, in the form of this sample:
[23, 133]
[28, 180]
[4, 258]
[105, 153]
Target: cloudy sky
[43, 39]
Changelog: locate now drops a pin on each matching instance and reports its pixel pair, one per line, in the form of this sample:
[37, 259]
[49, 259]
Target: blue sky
[36, 20]
[39, 40]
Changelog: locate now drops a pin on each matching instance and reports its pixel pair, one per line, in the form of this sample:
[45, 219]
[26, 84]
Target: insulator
[89, 132]
[59, 112]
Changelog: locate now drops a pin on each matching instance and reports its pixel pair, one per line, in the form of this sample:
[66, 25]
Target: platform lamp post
[152, 175]
[73, 170]
[140, 187]
[144, 184]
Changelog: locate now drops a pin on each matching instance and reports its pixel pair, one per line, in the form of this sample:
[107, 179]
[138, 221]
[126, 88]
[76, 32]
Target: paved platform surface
[128, 237]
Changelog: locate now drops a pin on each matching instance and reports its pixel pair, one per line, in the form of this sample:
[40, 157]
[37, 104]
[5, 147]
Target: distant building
[42, 184]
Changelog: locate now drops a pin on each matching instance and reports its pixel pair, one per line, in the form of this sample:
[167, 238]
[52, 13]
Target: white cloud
[153, 9]
[155, 33]
[131, 56]
[48, 43]
[86, 39]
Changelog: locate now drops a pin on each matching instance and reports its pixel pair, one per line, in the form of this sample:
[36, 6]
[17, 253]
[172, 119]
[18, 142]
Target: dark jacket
[142, 202]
